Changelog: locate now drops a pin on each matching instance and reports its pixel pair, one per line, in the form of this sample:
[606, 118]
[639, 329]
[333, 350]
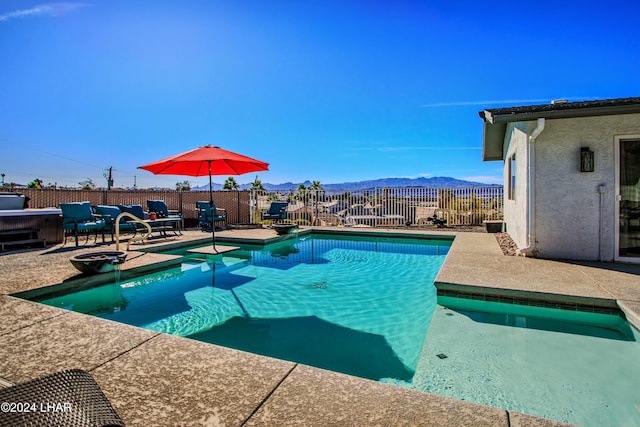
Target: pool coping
[267, 391]
[591, 286]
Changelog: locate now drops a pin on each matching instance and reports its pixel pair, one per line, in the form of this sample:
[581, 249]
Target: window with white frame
[511, 193]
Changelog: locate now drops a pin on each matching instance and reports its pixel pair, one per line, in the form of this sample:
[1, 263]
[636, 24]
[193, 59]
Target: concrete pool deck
[158, 379]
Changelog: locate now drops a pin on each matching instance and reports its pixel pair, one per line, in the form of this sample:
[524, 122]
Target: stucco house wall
[515, 210]
[567, 201]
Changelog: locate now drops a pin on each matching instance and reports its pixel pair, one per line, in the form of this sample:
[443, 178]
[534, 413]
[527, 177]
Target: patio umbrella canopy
[206, 160]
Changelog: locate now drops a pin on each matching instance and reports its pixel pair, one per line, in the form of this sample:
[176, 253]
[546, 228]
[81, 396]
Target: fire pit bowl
[98, 262]
[284, 228]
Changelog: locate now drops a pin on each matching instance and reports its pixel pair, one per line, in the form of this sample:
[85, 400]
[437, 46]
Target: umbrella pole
[213, 223]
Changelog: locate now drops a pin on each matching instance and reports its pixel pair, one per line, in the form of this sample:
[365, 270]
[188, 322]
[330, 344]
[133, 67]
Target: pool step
[208, 250]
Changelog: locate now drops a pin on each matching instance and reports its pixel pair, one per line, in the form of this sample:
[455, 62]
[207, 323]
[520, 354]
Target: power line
[40, 150]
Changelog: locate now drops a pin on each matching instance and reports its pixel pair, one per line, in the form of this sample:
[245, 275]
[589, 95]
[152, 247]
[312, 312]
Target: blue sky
[327, 90]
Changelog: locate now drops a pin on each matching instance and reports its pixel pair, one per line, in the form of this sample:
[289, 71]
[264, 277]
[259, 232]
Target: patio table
[162, 225]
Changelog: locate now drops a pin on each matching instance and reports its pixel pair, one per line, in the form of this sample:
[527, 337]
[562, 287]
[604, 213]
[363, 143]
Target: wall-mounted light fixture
[587, 160]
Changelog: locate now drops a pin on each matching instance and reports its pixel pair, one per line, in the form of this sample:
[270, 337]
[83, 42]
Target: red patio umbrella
[206, 160]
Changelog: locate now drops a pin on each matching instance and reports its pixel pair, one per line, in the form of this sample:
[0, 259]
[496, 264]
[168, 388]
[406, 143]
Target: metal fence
[382, 207]
[378, 207]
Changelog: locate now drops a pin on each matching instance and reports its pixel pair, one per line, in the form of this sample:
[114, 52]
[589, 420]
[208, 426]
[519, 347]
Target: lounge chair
[78, 218]
[162, 211]
[209, 214]
[135, 210]
[66, 398]
[277, 211]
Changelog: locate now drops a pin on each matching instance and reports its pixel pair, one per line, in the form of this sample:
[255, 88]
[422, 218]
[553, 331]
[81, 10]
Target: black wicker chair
[66, 398]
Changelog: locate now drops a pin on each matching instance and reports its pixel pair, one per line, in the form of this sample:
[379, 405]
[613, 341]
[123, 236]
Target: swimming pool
[363, 306]
[359, 307]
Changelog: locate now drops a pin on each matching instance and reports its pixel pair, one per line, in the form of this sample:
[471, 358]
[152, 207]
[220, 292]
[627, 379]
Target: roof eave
[493, 141]
[561, 113]
[495, 125]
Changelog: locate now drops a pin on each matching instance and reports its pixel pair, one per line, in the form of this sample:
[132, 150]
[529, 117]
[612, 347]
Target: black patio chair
[209, 215]
[277, 211]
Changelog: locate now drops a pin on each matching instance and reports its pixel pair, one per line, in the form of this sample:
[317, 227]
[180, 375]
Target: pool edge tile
[517, 419]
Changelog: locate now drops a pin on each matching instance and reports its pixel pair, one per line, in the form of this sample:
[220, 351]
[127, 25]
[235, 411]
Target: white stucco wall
[567, 212]
[515, 211]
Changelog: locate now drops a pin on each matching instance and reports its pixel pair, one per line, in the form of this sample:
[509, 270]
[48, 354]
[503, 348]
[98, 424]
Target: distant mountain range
[435, 182]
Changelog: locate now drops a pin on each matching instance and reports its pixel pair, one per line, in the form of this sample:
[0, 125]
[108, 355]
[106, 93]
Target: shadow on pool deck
[158, 379]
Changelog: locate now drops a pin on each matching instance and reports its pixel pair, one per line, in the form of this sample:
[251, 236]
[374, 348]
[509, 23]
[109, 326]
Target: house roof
[496, 119]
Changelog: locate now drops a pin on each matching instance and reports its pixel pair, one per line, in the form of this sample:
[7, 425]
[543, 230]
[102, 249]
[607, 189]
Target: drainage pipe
[531, 190]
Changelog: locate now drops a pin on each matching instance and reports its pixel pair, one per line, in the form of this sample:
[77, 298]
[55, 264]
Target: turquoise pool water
[364, 306]
[552, 363]
[360, 307]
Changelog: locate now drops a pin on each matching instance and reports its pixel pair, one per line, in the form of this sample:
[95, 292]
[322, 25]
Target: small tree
[183, 186]
[446, 199]
[87, 184]
[230, 184]
[315, 185]
[36, 183]
[301, 193]
[256, 185]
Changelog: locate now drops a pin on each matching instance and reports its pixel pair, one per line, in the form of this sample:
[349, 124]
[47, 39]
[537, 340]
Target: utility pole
[109, 178]
[134, 182]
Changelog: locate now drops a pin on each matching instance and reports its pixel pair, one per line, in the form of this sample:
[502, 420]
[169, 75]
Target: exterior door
[629, 200]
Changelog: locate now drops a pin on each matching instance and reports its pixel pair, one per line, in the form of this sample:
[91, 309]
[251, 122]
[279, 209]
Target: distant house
[334, 206]
[571, 177]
